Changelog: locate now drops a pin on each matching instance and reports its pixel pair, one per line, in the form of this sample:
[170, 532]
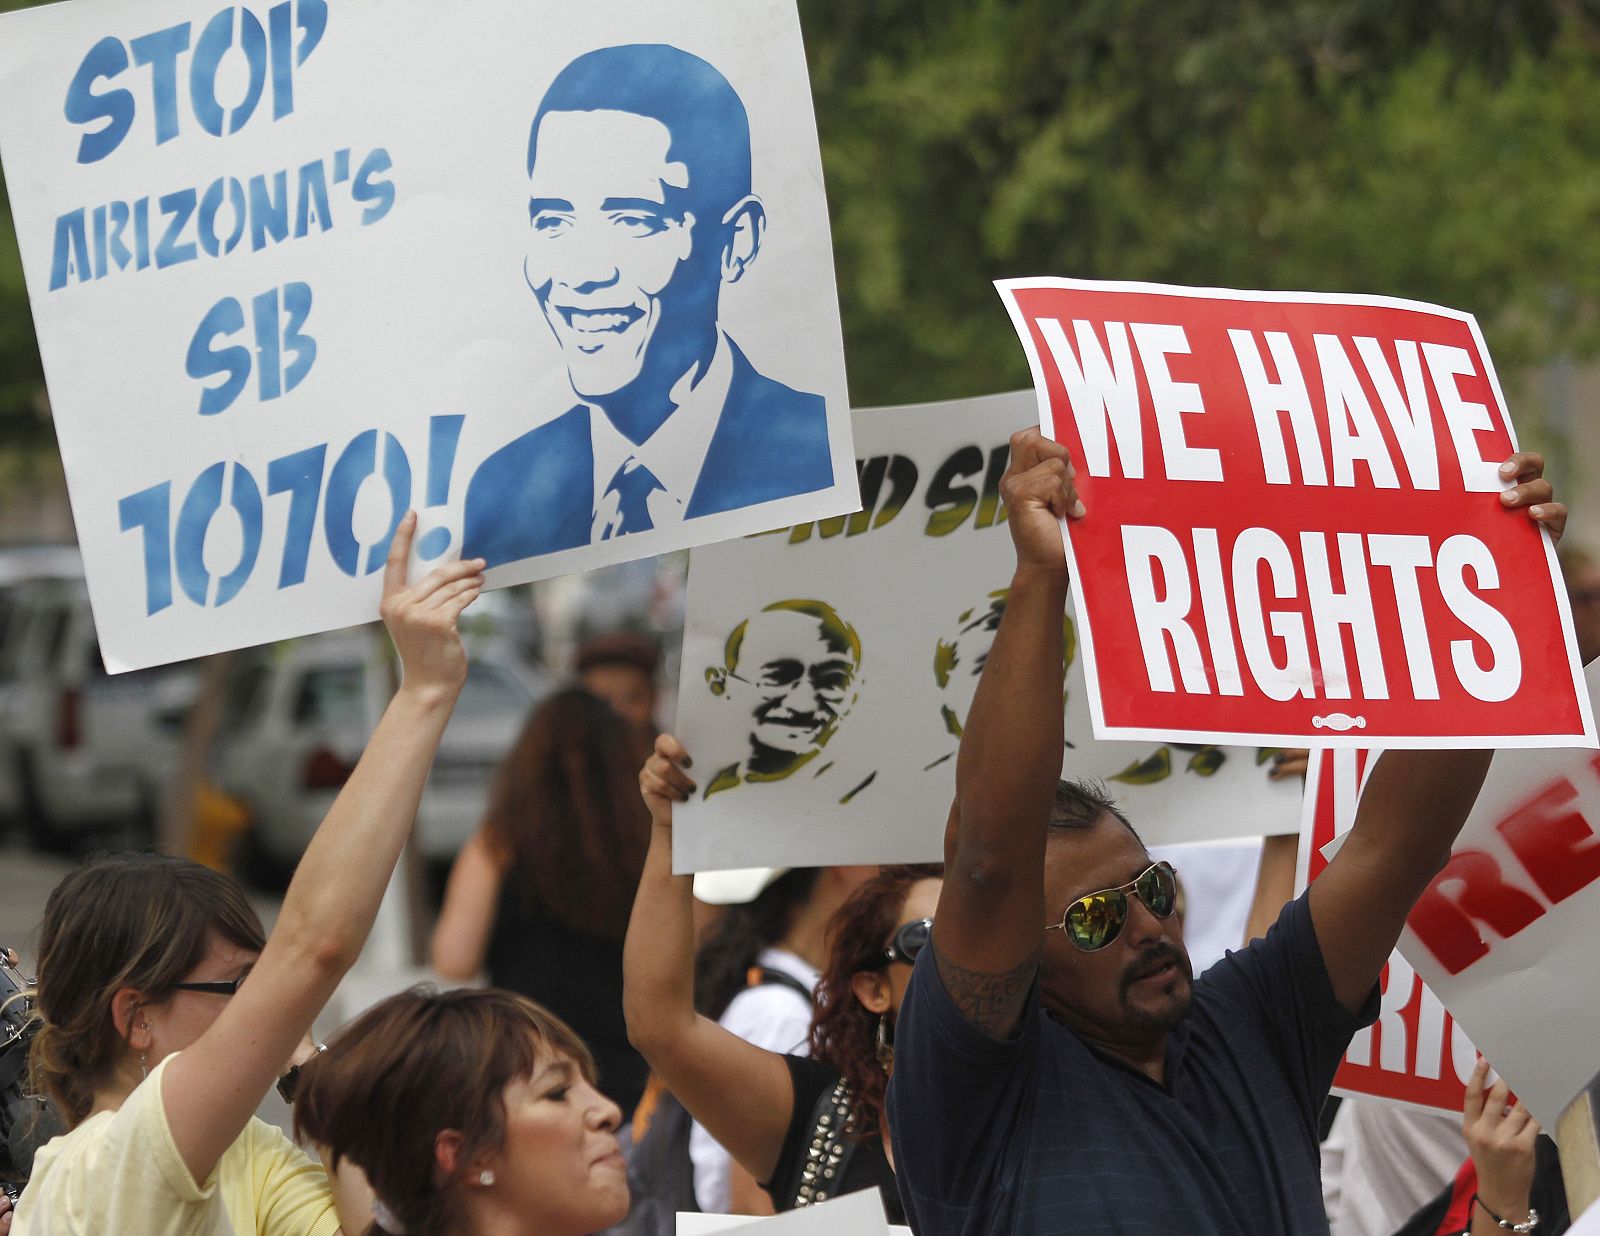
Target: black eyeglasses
[1096, 919]
[221, 987]
[909, 940]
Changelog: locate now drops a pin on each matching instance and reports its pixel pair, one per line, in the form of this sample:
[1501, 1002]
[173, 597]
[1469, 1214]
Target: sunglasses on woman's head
[1096, 919]
[909, 940]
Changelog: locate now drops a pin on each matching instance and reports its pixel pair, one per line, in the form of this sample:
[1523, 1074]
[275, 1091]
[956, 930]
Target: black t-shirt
[1038, 1134]
[578, 978]
[867, 1168]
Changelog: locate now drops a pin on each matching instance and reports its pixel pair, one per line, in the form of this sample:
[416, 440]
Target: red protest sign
[1292, 534]
[1415, 1052]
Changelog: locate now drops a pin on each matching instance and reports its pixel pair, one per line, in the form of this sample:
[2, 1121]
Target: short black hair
[705, 116]
[1081, 802]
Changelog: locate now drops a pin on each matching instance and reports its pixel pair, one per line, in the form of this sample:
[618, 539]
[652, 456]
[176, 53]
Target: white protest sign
[828, 669]
[1505, 934]
[558, 276]
[854, 1214]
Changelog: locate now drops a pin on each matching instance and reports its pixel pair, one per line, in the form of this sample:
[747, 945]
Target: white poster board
[854, 1214]
[297, 266]
[1505, 935]
[827, 670]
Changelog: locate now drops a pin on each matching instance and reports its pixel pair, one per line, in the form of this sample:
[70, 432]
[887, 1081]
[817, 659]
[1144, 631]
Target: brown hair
[566, 814]
[844, 1035]
[413, 1066]
[620, 648]
[128, 920]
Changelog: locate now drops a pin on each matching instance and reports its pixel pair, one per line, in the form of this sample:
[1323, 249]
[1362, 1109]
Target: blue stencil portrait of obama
[640, 210]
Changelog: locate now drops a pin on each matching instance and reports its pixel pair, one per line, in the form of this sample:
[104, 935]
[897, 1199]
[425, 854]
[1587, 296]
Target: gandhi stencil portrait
[794, 668]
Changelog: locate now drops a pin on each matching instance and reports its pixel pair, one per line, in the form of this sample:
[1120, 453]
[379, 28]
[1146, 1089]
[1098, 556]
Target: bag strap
[764, 976]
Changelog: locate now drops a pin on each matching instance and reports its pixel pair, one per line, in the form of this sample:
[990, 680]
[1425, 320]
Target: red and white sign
[1414, 1053]
[1503, 938]
[1505, 935]
[1293, 534]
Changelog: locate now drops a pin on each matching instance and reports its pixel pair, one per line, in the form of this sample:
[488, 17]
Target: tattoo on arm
[991, 1002]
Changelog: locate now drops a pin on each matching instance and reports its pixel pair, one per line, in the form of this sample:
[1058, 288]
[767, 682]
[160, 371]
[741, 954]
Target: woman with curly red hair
[807, 1129]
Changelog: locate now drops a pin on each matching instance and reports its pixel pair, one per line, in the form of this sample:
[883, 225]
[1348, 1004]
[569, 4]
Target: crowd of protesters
[1014, 1042]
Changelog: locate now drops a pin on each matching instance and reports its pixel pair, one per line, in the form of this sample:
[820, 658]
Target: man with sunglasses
[1057, 1066]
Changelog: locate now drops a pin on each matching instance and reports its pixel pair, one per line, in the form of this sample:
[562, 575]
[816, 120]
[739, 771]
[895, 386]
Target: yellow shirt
[119, 1172]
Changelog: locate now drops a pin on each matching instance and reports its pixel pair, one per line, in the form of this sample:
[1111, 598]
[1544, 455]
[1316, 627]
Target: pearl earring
[486, 1178]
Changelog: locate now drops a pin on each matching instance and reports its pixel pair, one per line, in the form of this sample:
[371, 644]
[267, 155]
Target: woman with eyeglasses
[167, 1016]
[807, 1128]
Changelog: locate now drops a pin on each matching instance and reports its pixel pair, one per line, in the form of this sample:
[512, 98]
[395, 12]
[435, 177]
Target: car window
[491, 691]
[335, 695]
[243, 697]
[55, 623]
[13, 622]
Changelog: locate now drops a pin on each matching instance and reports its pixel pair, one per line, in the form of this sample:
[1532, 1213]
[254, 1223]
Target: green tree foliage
[1441, 149]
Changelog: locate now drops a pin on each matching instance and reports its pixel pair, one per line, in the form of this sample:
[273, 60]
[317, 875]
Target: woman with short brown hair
[470, 1112]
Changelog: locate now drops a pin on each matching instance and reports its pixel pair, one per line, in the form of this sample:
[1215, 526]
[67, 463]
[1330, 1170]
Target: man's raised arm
[1413, 806]
[990, 919]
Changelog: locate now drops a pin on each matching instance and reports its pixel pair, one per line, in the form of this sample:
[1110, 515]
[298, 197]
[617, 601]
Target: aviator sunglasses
[909, 940]
[1096, 919]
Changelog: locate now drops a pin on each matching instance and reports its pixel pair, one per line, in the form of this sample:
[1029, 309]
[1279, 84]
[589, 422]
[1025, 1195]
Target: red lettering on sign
[1558, 847]
[1446, 922]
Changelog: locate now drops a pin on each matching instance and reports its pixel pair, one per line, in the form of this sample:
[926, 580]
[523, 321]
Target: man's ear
[745, 225]
[126, 1018]
[872, 989]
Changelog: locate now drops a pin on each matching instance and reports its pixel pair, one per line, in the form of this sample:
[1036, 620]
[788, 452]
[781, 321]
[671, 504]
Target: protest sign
[1415, 1053]
[1292, 530]
[1497, 955]
[828, 668]
[1505, 934]
[854, 1214]
[558, 276]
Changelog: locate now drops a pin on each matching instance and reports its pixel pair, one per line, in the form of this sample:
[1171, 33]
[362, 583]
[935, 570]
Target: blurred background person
[756, 974]
[166, 1016]
[777, 1112]
[1512, 1175]
[623, 668]
[471, 1113]
[540, 895]
[1581, 568]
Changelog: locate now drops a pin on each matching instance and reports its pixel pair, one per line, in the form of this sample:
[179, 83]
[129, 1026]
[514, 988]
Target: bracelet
[1527, 1225]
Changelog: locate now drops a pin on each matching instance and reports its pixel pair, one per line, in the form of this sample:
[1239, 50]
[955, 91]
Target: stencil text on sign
[1277, 641]
[1558, 852]
[1413, 1037]
[1102, 384]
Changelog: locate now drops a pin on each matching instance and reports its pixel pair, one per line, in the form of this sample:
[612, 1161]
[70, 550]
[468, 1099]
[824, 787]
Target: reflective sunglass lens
[1158, 891]
[1094, 921]
[912, 938]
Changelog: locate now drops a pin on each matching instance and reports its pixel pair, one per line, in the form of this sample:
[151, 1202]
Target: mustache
[775, 713]
[1152, 959]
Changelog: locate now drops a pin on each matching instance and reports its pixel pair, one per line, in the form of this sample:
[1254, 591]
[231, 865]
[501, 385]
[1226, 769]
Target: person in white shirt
[755, 974]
